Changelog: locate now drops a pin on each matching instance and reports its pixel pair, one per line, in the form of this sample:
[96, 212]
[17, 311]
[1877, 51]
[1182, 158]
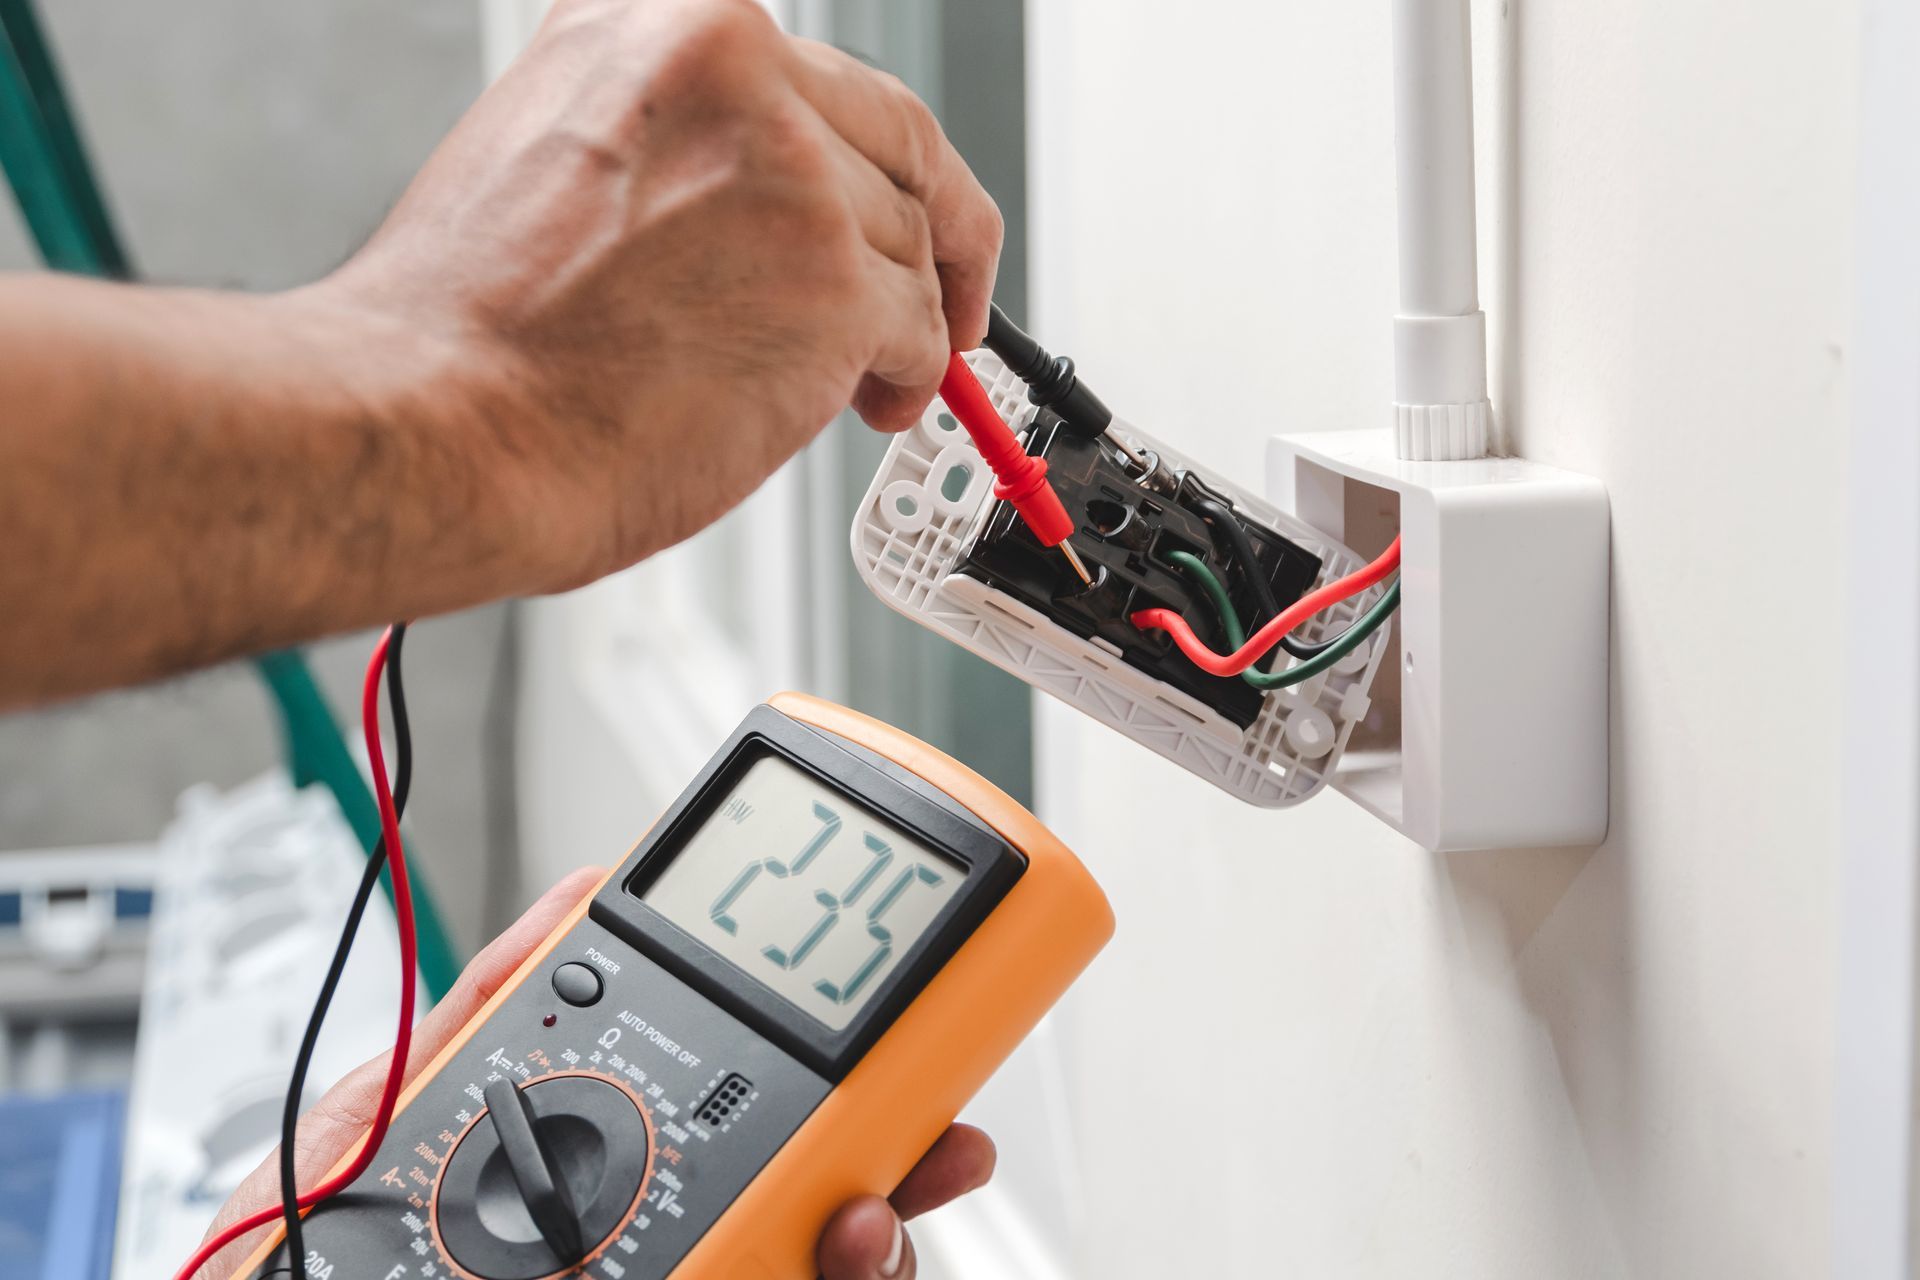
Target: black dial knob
[543, 1178]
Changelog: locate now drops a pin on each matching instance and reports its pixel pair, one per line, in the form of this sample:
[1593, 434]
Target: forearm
[188, 476]
[654, 259]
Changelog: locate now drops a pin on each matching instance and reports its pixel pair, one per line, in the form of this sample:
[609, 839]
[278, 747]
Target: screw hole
[953, 485]
[905, 506]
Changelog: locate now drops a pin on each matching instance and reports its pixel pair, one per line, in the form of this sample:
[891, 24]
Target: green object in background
[317, 753]
[53, 180]
[46, 165]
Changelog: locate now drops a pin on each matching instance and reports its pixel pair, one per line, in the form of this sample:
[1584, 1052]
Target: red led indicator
[548, 1021]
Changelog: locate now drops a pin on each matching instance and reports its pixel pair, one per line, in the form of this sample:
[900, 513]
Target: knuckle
[730, 27]
[718, 36]
[929, 295]
[915, 138]
[921, 131]
[910, 235]
[788, 143]
[842, 285]
[799, 197]
[938, 345]
[914, 336]
[921, 228]
[994, 226]
[809, 228]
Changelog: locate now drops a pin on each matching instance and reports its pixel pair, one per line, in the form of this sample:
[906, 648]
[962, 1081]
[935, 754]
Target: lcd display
[803, 890]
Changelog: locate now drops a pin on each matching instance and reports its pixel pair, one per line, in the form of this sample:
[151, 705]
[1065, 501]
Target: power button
[577, 984]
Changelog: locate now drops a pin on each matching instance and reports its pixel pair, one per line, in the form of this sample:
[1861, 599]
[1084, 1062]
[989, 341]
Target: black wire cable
[1227, 526]
[369, 880]
[1051, 381]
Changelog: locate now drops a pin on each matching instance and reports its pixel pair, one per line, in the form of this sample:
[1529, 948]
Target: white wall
[1328, 1053]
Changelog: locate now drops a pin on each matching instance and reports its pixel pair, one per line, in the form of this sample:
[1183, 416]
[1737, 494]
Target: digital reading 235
[778, 1001]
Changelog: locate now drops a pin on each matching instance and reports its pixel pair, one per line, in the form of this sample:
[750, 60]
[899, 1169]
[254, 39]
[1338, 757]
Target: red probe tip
[1073, 558]
[1019, 477]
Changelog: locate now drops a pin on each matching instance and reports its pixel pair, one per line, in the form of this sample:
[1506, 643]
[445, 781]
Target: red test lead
[1019, 477]
[403, 1037]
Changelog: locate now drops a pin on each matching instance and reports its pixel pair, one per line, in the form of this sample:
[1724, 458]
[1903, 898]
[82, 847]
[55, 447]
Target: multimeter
[777, 1002]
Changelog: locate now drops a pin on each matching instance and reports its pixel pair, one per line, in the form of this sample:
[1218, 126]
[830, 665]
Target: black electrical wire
[1227, 526]
[1051, 381]
[369, 880]
[1016, 349]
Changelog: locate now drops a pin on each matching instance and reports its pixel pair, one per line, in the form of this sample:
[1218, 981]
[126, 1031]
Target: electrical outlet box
[1131, 524]
[1488, 724]
[931, 541]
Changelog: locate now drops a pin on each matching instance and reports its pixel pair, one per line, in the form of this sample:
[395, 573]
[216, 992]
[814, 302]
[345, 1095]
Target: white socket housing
[1488, 726]
[908, 538]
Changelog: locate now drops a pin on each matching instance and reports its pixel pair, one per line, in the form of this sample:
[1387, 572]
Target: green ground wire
[1354, 636]
[47, 167]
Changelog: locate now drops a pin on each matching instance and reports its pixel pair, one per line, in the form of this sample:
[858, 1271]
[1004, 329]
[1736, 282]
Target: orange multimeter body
[779, 1000]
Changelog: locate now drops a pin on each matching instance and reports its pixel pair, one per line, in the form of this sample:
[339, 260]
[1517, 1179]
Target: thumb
[865, 1241]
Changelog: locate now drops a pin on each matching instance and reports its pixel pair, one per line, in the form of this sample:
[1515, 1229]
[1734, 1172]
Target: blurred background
[254, 147]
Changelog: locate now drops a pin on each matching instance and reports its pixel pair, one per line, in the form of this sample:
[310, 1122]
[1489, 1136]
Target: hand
[863, 1241]
[659, 255]
[651, 262]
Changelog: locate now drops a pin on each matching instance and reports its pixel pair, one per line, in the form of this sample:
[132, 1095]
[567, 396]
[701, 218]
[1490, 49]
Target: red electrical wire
[403, 1038]
[1263, 640]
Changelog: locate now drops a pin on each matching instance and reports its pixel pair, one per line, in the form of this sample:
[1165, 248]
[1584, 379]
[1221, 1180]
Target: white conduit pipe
[1441, 411]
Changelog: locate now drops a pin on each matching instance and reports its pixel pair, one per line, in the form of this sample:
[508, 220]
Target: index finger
[897, 132]
[959, 1161]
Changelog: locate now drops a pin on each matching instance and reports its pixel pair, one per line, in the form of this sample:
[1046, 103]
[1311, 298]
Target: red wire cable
[1263, 640]
[403, 1038]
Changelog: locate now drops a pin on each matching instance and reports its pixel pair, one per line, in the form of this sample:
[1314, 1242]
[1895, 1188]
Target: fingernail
[895, 1255]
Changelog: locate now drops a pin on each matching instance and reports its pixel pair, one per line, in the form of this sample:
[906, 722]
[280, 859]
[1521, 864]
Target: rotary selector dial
[544, 1178]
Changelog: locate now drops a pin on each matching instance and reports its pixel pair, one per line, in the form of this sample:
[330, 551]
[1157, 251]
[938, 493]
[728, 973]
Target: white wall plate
[1491, 728]
[908, 534]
